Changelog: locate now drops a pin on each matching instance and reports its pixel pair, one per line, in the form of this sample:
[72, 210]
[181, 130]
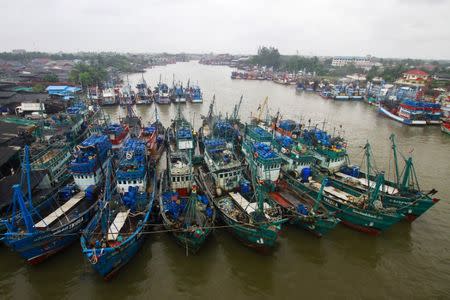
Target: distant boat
[196, 94]
[413, 112]
[162, 94]
[142, 96]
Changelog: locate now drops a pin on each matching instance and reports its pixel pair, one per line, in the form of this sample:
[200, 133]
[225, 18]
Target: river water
[407, 261]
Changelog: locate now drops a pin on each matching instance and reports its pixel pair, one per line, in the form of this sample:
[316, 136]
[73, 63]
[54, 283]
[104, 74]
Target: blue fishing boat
[38, 232]
[162, 93]
[117, 231]
[142, 96]
[178, 93]
[196, 95]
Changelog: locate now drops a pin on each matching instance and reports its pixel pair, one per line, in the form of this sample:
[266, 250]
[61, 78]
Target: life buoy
[256, 155]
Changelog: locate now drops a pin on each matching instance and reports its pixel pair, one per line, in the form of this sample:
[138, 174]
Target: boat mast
[27, 168]
[379, 181]
[367, 148]
[320, 194]
[104, 204]
[394, 150]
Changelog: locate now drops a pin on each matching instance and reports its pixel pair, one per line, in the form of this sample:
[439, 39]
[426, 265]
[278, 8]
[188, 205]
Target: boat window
[134, 181]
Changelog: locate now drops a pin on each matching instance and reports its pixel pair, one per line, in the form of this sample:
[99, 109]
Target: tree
[267, 56]
[373, 72]
[51, 77]
[38, 88]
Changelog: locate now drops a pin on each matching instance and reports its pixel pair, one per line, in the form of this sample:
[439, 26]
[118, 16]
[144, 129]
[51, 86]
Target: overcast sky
[383, 28]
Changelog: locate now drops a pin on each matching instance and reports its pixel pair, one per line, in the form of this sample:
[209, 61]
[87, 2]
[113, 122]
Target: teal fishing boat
[243, 206]
[403, 194]
[303, 210]
[363, 212]
[187, 212]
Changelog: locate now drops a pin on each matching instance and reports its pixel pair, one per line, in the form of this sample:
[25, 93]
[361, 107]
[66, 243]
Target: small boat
[38, 232]
[117, 231]
[117, 134]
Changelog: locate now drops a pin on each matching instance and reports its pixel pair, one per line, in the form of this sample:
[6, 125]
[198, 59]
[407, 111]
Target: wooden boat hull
[318, 226]
[37, 246]
[412, 207]
[107, 261]
[262, 238]
[370, 222]
[189, 240]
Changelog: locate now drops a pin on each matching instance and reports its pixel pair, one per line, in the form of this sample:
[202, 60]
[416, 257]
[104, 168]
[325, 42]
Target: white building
[359, 61]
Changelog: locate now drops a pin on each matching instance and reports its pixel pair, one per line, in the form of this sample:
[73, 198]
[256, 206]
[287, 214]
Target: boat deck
[335, 192]
[117, 225]
[363, 181]
[60, 211]
[249, 207]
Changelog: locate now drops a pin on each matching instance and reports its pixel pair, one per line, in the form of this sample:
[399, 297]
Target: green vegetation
[88, 74]
[267, 56]
[51, 77]
[38, 88]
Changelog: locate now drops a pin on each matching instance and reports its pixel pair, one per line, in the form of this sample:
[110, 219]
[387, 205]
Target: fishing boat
[257, 147]
[131, 121]
[330, 151]
[38, 232]
[304, 211]
[196, 95]
[340, 93]
[117, 134]
[404, 193]
[162, 96]
[181, 137]
[142, 96]
[178, 93]
[117, 231]
[295, 157]
[445, 126]
[154, 136]
[250, 214]
[186, 210]
[362, 212]
[109, 97]
[412, 112]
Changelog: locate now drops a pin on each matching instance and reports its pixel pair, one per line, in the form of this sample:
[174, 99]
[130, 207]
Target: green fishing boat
[403, 193]
[301, 209]
[362, 212]
[187, 211]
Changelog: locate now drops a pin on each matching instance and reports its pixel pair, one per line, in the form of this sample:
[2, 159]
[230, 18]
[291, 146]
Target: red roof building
[414, 77]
